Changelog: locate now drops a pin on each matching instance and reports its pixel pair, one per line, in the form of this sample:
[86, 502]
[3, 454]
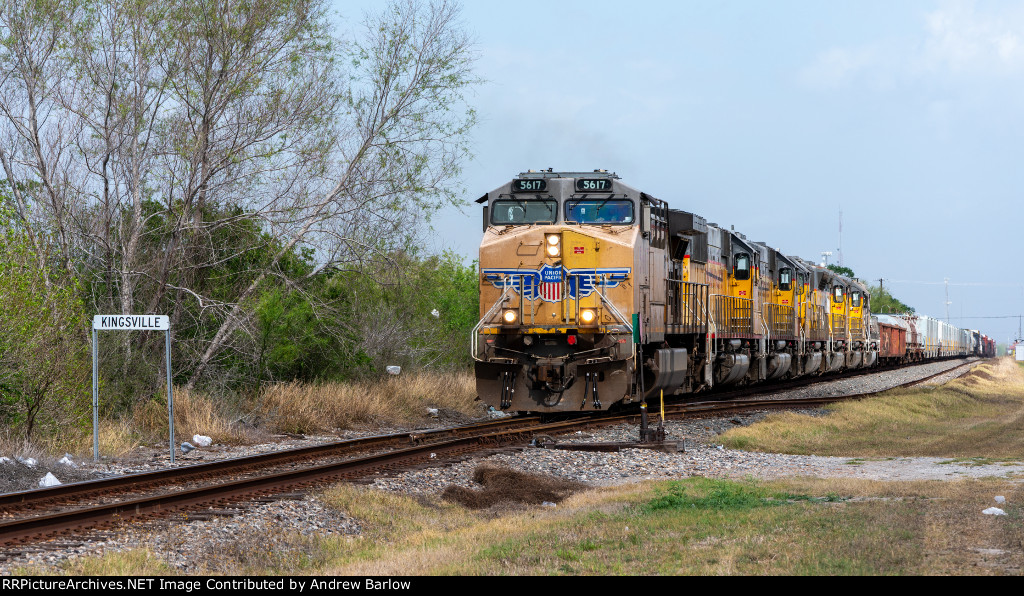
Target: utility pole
[826, 254]
[947, 299]
[840, 237]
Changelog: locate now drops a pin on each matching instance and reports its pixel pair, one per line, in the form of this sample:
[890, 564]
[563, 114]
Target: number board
[529, 185]
[594, 184]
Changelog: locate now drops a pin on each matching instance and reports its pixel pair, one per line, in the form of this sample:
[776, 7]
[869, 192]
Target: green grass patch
[716, 495]
[983, 461]
[857, 461]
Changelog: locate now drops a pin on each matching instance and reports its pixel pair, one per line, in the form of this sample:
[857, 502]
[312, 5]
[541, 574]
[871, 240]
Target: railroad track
[73, 508]
[737, 405]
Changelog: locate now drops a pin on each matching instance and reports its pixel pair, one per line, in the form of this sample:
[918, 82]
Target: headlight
[553, 247]
[587, 316]
[509, 316]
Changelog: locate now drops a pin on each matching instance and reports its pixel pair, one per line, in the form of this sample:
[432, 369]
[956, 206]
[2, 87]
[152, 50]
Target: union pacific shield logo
[550, 284]
[547, 283]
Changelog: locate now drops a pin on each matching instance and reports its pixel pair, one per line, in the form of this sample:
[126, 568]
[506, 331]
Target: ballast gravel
[276, 528]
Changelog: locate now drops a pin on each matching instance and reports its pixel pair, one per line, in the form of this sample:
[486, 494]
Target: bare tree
[155, 142]
[399, 147]
[35, 139]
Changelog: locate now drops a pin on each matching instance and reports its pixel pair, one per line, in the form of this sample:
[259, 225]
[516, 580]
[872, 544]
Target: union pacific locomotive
[584, 281]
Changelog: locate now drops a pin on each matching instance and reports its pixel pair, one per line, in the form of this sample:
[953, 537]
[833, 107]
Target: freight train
[586, 281]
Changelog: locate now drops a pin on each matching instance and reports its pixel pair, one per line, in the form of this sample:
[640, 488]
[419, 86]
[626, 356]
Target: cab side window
[741, 270]
[838, 292]
[785, 279]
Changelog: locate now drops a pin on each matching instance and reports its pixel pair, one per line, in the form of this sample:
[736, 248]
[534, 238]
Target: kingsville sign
[131, 322]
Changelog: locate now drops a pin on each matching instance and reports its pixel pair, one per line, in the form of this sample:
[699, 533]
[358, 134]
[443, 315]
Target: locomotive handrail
[696, 315]
[747, 319]
[618, 316]
[614, 310]
[710, 328]
[709, 339]
[474, 340]
[767, 335]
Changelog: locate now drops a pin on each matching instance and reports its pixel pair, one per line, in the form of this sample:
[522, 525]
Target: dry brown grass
[394, 400]
[287, 407]
[16, 446]
[194, 413]
[137, 562]
[978, 415]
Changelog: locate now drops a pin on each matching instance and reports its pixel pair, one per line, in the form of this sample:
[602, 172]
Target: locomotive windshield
[512, 212]
[614, 211]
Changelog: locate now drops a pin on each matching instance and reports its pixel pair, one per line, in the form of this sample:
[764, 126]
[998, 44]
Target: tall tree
[882, 302]
[43, 348]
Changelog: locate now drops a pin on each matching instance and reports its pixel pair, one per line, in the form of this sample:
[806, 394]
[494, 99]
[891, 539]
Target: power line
[1007, 316]
[937, 283]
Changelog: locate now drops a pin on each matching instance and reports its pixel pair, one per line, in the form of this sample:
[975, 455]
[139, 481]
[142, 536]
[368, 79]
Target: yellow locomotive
[585, 280]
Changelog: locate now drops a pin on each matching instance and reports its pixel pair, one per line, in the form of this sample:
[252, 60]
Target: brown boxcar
[892, 338]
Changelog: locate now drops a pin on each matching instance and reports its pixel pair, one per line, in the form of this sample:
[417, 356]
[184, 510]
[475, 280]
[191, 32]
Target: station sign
[131, 322]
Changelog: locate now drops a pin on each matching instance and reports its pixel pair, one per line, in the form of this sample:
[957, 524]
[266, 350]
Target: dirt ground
[502, 486]
[16, 476]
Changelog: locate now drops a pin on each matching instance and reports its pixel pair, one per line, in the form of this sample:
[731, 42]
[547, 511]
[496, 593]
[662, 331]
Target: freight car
[586, 281]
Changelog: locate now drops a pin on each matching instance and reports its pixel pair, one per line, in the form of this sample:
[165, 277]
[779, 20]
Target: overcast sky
[773, 116]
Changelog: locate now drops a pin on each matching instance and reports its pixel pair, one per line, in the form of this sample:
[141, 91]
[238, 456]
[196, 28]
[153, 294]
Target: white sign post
[128, 323]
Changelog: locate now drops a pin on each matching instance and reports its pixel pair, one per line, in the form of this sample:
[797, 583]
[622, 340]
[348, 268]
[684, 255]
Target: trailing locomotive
[585, 280]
